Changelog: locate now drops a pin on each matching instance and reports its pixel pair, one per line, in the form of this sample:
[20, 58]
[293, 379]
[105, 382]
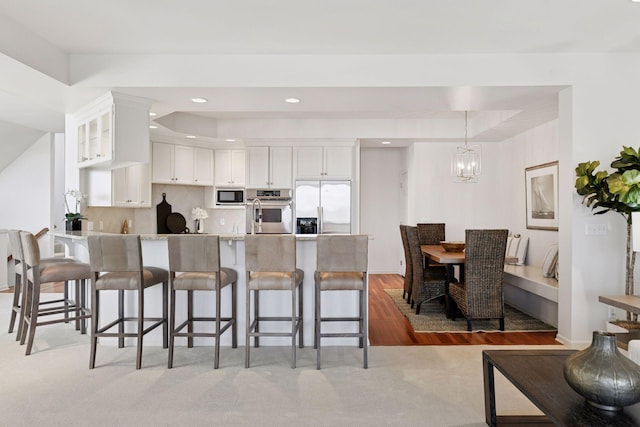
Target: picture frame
[541, 189]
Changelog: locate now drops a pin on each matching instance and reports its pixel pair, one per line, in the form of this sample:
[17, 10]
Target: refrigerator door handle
[319, 219]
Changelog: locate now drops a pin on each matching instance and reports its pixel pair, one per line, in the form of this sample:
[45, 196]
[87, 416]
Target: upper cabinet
[229, 169]
[111, 132]
[269, 167]
[123, 187]
[323, 162]
[182, 164]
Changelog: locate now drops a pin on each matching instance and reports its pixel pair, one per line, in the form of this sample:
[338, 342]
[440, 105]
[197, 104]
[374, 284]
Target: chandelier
[466, 163]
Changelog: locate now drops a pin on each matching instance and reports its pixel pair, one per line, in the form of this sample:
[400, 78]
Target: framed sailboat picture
[542, 196]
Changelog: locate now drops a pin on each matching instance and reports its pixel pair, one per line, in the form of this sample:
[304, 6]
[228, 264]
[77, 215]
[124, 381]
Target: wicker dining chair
[408, 266]
[480, 296]
[428, 284]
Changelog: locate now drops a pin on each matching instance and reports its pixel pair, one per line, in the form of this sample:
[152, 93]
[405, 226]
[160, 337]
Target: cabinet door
[139, 185]
[337, 162]
[280, 167]
[182, 164]
[83, 144]
[258, 167]
[162, 159]
[309, 163]
[105, 145]
[222, 167]
[238, 171]
[203, 166]
[120, 187]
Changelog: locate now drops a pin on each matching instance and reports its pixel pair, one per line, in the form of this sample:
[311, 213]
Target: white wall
[534, 147]
[437, 198]
[26, 189]
[380, 171]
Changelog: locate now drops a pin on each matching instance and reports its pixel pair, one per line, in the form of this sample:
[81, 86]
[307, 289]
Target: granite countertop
[82, 235]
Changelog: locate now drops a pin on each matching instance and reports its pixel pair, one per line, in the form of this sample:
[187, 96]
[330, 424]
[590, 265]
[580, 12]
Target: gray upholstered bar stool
[271, 266]
[194, 265]
[342, 266]
[116, 264]
[37, 273]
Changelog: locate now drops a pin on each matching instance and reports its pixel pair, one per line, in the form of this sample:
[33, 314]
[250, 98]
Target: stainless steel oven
[269, 211]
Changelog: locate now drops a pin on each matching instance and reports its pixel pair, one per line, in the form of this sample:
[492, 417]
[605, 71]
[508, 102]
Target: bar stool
[271, 265]
[116, 264]
[35, 274]
[342, 266]
[196, 259]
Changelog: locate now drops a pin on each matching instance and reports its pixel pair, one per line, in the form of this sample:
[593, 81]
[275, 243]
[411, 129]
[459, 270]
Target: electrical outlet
[612, 313]
[595, 229]
[221, 221]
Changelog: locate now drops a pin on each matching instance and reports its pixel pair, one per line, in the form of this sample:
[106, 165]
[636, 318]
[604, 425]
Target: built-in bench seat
[530, 279]
[529, 291]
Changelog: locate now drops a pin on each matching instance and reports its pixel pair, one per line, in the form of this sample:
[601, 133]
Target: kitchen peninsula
[154, 253]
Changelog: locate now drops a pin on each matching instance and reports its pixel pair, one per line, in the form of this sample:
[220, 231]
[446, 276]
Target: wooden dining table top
[438, 254]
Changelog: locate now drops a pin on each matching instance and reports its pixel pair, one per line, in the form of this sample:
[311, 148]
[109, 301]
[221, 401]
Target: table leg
[489, 392]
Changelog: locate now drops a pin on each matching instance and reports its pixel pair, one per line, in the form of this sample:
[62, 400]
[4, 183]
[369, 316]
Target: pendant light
[466, 163]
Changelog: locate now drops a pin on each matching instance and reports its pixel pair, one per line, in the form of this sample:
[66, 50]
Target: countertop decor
[72, 218]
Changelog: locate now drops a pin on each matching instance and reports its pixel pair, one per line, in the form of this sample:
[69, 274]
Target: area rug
[432, 318]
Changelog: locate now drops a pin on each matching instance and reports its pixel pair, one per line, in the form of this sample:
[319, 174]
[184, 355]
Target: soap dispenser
[125, 227]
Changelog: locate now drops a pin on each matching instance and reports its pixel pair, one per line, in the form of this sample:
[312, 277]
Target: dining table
[438, 254]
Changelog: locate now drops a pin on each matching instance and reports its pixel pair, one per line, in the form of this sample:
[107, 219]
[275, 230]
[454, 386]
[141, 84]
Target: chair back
[408, 273]
[15, 242]
[342, 253]
[483, 270]
[417, 268]
[30, 249]
[270, 252]
[431, 234]
[194, 253]
[121, 253]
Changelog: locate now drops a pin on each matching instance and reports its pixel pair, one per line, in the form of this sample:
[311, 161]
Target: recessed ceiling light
[152, 114]
[153, 127]
[386, 142]
[191, 136]
[230, 140]
[199, 100]
[292, 100]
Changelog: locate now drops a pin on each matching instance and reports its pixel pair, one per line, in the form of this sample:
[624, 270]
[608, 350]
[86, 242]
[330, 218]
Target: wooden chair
[342, 263]
[194, 265]
[271, 266]
[480, 296]
[428, 284]
[116, 264]
[36, 273]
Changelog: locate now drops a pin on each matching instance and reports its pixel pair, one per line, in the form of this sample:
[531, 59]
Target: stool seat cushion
[62, 271]
[128, 280]
[204, 281]
[276, 280]
[337, 281]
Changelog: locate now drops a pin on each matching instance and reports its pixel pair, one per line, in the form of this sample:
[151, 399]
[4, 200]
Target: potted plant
[72, 219]
[618, 191]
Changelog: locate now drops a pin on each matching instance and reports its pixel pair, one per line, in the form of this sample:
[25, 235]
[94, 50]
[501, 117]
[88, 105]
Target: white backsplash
[182, 198]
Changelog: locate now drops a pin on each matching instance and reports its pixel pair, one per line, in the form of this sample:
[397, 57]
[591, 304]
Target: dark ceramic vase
[602, 375]
[74, 225]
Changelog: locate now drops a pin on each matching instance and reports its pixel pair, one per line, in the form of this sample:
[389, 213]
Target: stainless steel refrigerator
[328, 202]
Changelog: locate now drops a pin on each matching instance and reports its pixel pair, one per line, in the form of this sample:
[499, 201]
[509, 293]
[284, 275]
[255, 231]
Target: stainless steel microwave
[229, 196]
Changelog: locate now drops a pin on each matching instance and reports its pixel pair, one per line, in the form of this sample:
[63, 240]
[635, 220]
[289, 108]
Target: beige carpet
[404, 386]
[432, 318]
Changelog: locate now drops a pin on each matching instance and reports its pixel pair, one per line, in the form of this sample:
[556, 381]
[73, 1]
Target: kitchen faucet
[253, 211]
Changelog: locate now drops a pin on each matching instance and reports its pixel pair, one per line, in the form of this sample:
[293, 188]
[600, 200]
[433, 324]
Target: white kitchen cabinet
[323, 162]
[229, 169]
[123, 187]
[111, 132]
[203, 166]
[269, 167]
[182, 164]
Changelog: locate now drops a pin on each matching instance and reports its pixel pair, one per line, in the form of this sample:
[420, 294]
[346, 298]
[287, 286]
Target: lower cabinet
[124, 187]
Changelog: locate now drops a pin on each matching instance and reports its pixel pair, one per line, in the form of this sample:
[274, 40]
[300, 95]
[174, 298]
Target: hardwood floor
[387, 326]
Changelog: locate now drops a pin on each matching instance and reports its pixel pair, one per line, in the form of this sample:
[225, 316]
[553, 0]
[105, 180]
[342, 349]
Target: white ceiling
[45, 44]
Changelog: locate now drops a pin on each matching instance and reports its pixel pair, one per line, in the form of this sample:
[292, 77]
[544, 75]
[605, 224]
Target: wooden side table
[538, 375]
